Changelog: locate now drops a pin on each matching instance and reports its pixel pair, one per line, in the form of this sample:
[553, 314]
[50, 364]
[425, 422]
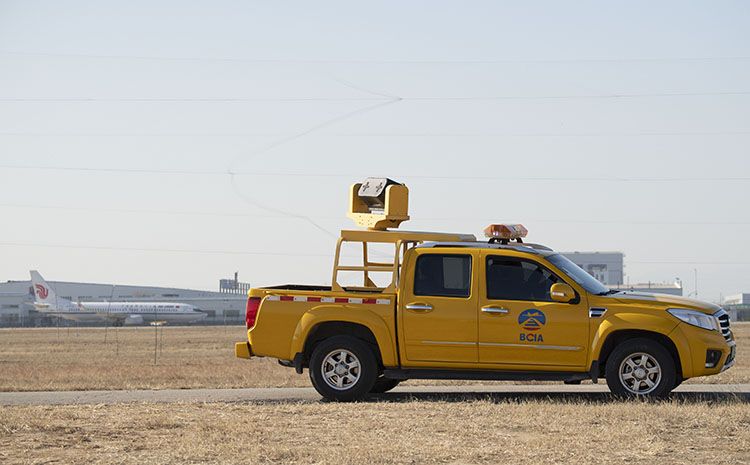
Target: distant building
[739, 299]
[607, 267]
[655, 288]
[233, 286]
[16, 300]
[738, 307]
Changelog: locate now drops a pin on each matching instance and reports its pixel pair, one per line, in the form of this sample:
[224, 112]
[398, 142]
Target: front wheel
[343, 369]
[641, 368]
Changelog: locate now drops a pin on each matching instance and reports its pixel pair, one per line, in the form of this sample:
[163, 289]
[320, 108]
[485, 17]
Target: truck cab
[460, 308]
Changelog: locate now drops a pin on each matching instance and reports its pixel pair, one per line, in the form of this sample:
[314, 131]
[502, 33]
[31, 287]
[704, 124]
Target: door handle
[495, 310]
[419, 307]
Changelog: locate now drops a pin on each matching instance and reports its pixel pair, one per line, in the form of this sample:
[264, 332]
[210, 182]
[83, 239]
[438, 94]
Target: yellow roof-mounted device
[379, 204]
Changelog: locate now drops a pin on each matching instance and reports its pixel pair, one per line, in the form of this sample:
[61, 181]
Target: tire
[641, 368]
[383, 385]
[343, 369]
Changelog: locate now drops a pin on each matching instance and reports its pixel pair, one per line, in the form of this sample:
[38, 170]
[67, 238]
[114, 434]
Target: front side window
[443, 275]
[516, 279]
[578, 274]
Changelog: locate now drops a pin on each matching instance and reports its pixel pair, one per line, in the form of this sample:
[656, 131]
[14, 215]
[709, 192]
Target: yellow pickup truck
[458, 308]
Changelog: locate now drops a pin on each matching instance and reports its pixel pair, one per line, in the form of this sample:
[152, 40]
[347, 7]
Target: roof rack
[401, 241]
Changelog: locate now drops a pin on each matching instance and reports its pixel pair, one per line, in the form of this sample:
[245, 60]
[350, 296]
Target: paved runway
[443, 393]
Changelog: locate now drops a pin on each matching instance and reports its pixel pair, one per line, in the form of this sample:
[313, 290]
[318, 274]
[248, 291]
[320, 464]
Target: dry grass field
[188, 357]
[477, 431]
[461, 429]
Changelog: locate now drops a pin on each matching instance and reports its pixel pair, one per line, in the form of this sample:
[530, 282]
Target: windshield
[578, 274]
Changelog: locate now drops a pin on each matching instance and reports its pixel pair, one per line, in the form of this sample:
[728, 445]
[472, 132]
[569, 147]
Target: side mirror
[562, 293]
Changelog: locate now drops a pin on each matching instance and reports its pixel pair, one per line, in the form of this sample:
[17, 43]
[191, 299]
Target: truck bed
[289, 313]
[293, 288]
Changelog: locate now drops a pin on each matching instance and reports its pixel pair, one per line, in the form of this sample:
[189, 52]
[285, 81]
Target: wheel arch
[617, 337]
[322, 323]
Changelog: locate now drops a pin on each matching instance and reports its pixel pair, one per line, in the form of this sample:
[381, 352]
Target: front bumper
[731, 358]
[243, 350]
[693, 343]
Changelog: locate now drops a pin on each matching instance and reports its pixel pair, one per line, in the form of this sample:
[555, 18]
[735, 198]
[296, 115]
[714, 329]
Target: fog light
[712, 358]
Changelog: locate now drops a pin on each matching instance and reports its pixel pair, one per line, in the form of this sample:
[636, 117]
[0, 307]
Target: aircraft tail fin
[44, 296]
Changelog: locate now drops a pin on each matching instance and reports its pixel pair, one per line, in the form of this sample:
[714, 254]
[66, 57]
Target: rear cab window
[443, 275]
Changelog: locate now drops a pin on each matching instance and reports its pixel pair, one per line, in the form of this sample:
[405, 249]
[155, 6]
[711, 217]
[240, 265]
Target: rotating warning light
[507, 232]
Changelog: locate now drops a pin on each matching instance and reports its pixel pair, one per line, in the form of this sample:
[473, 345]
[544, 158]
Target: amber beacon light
[506, 232]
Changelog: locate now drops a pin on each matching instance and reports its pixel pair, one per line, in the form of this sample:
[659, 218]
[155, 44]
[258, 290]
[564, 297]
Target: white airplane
[125, 313]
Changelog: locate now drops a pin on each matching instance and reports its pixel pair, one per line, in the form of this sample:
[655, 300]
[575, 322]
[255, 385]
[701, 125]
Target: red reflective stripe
[338, 300]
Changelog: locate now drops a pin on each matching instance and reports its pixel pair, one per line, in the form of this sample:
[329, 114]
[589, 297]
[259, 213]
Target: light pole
[696, 282]
[695, 292]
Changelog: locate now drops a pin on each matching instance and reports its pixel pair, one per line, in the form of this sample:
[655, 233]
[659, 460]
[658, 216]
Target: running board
[486, 375]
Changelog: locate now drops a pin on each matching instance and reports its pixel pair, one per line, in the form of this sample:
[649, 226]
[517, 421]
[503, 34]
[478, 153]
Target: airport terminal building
[738, 306]
[607, 267]
[224, 307]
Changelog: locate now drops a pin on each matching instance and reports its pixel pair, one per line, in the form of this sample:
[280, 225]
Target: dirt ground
[453, 431]
[188, 357]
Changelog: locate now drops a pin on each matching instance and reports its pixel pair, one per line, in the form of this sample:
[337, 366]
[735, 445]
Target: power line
[539, 134]
[385, 61]
[290, 254]
[686, 262]
[147, 211]
[117, 170]
[361, 99]
[383, 134]
[188, 99]
[342, 218]
[605, 179]
[165, 250]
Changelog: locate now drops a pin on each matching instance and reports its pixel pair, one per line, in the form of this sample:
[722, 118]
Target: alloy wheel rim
[640, 373]
[341, 369]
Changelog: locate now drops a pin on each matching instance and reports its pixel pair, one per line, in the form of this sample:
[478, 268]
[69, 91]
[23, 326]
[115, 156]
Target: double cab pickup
[454, 307]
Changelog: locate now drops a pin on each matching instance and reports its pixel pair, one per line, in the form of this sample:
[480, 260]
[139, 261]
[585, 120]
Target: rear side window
[443, 275]
[514, 279]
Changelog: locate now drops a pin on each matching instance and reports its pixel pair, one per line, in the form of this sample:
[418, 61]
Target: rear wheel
[343, 369]
[384, 384]
[641, 368]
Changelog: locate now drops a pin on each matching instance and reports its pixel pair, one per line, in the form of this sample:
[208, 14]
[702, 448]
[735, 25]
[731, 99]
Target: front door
[439, 309]
[518, 321]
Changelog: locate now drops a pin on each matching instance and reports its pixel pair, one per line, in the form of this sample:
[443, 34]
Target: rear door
[518, 321]
[438, 308]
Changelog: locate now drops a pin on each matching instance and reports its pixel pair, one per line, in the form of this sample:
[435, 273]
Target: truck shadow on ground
[569, 398]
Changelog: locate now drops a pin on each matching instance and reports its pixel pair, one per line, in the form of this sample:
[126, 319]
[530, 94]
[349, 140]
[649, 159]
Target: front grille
[724, 323]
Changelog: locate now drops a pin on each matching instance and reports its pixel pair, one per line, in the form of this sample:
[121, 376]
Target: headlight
[694, 318]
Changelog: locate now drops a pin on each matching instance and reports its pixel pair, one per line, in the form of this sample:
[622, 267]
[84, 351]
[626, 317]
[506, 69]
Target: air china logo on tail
[42, 291]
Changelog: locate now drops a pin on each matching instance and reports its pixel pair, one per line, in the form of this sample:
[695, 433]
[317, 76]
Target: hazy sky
[600, 125]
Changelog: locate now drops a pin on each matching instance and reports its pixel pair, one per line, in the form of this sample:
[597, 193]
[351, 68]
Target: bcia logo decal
[532, 320]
